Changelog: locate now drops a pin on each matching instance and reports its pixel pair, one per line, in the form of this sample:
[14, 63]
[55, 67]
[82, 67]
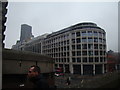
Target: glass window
[90, 53]
[73, 60]
[84, 40]
[61, 54]
[64, 42]
[78, 53]
[78, 59]
[64, 54]
[100, 34]
[100, 39]
[67, 53]
[67, 41]
[78, 40]
[96, 52]
[90, 33]
[104, 40]
[104, 59]
[96, 59]
[84, 46]
[73, 47]
[95, 39]
[64, 48]
[62, 59]
[84, 33]
[68, 60]
[61, 48]
[104, 52]
[67, 47]
[101, 53]
[73, 40]
[84, 59]
[100, 46]
[56, 60]
[90, 59]
[67, 36]
[95, 33]
[73, 53]
[104, 35]
[90, 40]
[73, 35]
[95, 46]
[84, 53]
[90, 46]
[77, 34]
[101, 59]
[104, 46]
[78, 46]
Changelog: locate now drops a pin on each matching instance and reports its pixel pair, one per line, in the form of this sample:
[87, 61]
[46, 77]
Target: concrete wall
[14, 64]
[21, 67]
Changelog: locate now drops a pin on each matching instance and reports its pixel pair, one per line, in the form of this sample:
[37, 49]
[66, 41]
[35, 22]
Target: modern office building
[26, 32]
[25, 36]
[35, 45]
[79, 49]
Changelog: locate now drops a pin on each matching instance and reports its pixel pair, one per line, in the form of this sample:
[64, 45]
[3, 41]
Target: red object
[59, 71]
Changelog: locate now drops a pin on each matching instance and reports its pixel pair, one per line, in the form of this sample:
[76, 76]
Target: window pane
[78, 53]
[90, 46]
[73, 35]
[73, 53]
[95, 46]
[78, 59]
[84, 40]
[84, 34]
[95, 33]
[73, 60]
[90, 33]
[95, 39]
[77, 34]
[73, 40]
[96, 59]
[78, 40]
[73, 47]
[90, 53]
[90, 59]
[84, 46]
[84, 59]
[90, 40]
[84, 53]
[78, 46]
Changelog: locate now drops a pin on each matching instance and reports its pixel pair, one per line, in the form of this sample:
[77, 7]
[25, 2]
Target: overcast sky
[47, 17]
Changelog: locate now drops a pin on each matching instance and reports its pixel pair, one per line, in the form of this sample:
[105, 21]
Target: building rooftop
[9, 54]
[83, 25]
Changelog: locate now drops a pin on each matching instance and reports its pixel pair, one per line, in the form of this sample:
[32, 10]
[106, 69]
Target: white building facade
[79, 49]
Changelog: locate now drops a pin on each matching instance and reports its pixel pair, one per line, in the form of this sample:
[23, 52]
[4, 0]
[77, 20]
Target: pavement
[78, 81]
[60, 81]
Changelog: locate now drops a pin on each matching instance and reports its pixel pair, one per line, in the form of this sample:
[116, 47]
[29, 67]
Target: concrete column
[115, 66]
[103, 69]
[81, 69]
[71, 68]
[70, 52]
[0, 67]
[58, 65]
[93, 69]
